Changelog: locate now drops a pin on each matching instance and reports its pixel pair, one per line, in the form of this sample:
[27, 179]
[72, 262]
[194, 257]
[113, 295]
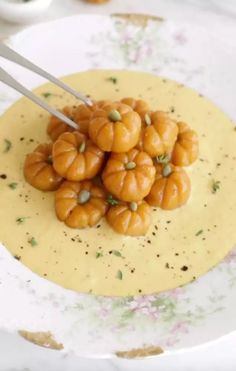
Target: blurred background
[46, 10]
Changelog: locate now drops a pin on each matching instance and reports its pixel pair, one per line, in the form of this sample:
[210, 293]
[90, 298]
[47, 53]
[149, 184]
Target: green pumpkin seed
[82, 147]
[147, 119]
[84, 197]
[114, 115]
[49, 160]
[130, 165]
[133, 206]
[167, 170]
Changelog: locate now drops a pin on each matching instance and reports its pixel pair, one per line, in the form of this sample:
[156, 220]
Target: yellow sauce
[181, 245]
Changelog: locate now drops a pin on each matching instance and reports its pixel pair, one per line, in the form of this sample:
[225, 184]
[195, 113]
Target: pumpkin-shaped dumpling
[80, 204]
[56, 127]
[138, 105]
[131, 219]
[83, 114]
[171, 188]
[129, 176]
[38, 169]
[159, 133]
[115, 127]
[186, 148]
[75, 157]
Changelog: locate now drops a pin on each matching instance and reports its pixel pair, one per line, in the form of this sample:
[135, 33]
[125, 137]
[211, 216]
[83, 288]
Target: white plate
[96, 326]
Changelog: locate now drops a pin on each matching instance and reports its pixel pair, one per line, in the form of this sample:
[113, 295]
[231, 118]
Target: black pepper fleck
[167, 265]
[3, 176]
[17, 257]
[184, 268]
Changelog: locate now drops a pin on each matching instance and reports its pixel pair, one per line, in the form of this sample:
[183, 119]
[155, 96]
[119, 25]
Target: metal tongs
[7, 79]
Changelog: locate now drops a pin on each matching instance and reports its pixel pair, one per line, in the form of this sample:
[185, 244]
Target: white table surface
[18, 355]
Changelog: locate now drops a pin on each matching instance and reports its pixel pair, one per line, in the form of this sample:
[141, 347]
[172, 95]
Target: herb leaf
[112, 79]
[112, 201]
[99, 254]
[21, 219]
[199, 232]
[117, 253]
[33, 241]
[8, 145]
[163, 159]
[215, 186]
[119, 275]
[13, 185]
[47, 94]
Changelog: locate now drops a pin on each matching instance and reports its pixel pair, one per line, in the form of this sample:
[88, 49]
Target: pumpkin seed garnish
[112, 201]
[215, 186]
[82, 147]
[49, 160]
[8, 145]
[166, 170]
[133, 206]
[84, 197]
[163, 159]
[130, 165]
[114, 115]
[119, 275]
[147, 119]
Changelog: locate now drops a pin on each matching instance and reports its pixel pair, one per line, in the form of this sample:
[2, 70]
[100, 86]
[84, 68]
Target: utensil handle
[10, 81]
[13, 56]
